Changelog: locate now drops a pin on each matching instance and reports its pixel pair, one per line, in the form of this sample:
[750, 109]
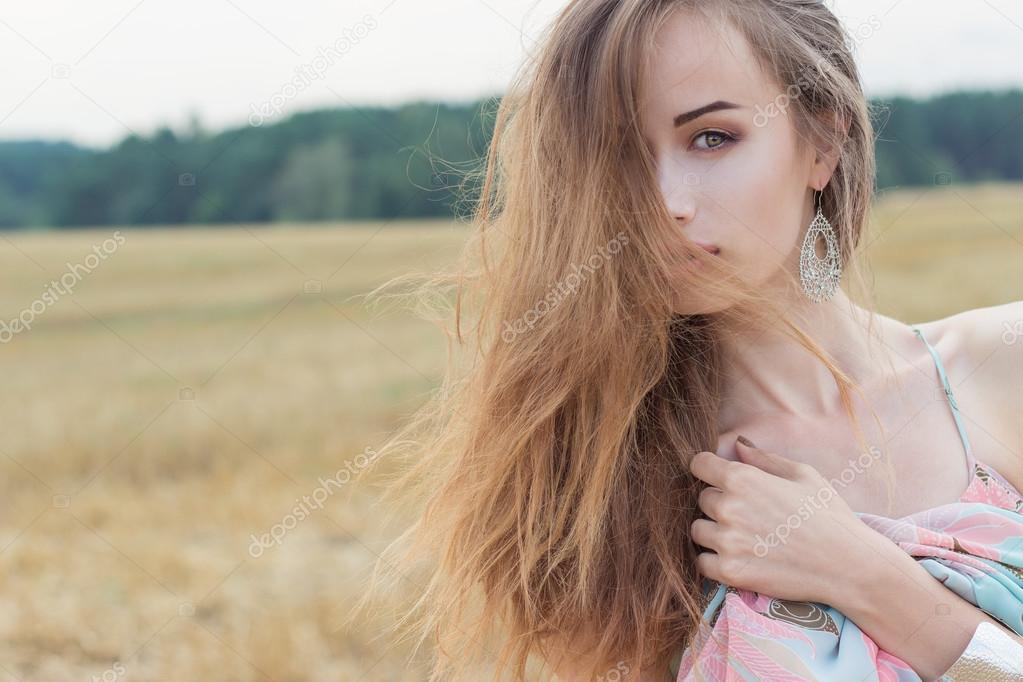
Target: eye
[714, 140]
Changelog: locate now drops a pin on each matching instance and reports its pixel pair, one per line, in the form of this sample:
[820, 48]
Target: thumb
[762, 459]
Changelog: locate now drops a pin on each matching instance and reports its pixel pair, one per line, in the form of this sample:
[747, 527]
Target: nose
[679, 190]
[683, 207]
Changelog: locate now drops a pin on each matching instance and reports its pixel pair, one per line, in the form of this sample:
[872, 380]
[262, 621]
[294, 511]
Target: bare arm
[893, 598]
[910, 614]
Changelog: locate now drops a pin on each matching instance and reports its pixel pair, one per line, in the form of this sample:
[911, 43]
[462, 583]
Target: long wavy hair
[547, 478]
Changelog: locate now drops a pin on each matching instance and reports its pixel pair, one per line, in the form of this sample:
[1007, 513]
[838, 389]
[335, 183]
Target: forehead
[695, 60]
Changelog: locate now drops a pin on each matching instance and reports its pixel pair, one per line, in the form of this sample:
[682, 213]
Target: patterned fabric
[974, 546]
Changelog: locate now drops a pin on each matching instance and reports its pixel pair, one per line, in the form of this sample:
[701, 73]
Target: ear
[826, 148]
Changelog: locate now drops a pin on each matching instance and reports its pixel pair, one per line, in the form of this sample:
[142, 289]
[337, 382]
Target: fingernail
[746, 441]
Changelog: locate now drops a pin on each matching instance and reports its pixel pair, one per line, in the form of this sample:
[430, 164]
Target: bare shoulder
[983, 352]
[987, 342]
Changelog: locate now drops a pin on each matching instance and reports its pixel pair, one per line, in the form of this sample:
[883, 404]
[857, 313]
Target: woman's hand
[777, 527]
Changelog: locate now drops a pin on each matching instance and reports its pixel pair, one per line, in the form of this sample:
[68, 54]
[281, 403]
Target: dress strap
[970, 461]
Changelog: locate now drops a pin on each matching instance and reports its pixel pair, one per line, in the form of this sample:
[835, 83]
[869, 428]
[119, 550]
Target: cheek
[760, 194]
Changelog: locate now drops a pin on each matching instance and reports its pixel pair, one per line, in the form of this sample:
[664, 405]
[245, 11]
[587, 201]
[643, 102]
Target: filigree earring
[820, 276]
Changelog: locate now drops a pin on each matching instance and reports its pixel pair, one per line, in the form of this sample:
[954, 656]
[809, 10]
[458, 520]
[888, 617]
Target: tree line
[407, 162]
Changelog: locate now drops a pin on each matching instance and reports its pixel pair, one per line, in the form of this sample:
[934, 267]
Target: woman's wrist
[905, 610]
[869, 560]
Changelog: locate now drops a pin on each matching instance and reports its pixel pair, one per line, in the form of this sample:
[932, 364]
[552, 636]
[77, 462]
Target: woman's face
[733, 176]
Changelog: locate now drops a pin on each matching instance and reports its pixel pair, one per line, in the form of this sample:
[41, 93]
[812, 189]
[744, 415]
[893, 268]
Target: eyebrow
[682, 119]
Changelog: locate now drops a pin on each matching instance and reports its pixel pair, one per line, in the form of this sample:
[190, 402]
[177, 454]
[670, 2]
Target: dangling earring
[820, 277]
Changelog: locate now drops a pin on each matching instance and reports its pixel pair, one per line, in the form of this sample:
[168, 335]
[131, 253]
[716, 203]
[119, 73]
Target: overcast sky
[92, 72]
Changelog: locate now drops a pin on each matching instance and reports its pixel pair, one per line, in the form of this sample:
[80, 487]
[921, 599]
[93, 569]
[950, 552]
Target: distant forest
[406, 162]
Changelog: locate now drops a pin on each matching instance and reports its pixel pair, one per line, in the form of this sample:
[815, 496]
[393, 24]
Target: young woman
[674, 191]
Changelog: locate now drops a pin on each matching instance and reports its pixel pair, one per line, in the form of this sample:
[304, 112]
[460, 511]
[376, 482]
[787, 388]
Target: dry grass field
[196, 384]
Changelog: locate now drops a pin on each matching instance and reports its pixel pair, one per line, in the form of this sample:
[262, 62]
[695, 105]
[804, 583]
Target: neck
[770, 373]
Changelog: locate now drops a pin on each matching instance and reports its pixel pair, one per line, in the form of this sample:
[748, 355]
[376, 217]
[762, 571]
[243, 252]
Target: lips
[709, 248]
